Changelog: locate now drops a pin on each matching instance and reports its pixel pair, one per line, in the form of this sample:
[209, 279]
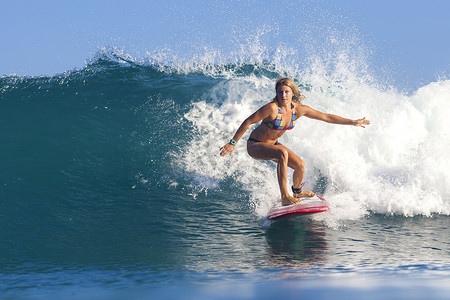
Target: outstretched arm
[260, 114]
[329, 118]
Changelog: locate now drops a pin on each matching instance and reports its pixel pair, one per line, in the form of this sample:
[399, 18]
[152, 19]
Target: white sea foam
[397, 165]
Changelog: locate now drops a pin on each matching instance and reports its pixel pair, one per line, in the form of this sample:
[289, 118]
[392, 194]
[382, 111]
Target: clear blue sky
[409, 38]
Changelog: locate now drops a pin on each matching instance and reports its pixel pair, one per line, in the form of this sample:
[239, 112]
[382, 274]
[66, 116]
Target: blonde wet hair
[297, 97]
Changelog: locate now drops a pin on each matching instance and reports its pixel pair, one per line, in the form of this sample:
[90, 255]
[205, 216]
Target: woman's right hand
[228, 148]
[362, 122]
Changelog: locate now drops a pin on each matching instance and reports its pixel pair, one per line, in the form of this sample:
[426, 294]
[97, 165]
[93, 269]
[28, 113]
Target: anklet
[299, 190]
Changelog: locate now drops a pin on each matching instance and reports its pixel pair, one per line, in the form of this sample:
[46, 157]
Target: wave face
[74, 141]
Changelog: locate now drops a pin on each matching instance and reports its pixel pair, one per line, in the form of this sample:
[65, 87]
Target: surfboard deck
[308, 206]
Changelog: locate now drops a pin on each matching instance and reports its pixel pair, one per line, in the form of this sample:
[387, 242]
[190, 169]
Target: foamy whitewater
[397, 165]
[112, 185]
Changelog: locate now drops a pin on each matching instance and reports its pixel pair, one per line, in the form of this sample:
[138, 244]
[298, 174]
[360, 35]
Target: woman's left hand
[228, 148]
[362, 122]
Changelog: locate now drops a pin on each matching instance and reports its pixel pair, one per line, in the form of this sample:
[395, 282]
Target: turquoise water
[111, 186]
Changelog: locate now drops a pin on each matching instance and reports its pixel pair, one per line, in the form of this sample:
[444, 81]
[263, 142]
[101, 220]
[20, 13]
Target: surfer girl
[277, 117]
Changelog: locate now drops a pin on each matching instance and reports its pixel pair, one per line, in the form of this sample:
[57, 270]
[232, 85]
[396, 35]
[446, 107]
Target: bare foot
[288, 200]
[304, 194]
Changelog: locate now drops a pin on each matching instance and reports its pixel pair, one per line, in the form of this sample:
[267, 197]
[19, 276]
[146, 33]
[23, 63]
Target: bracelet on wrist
[233, 142]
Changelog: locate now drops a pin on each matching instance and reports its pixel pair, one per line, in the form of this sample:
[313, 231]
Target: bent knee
[283, 155]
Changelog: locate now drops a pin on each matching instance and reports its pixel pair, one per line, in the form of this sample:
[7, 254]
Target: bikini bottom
[258, 141]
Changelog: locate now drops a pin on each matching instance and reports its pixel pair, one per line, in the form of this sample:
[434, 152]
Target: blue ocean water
[112, 187]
